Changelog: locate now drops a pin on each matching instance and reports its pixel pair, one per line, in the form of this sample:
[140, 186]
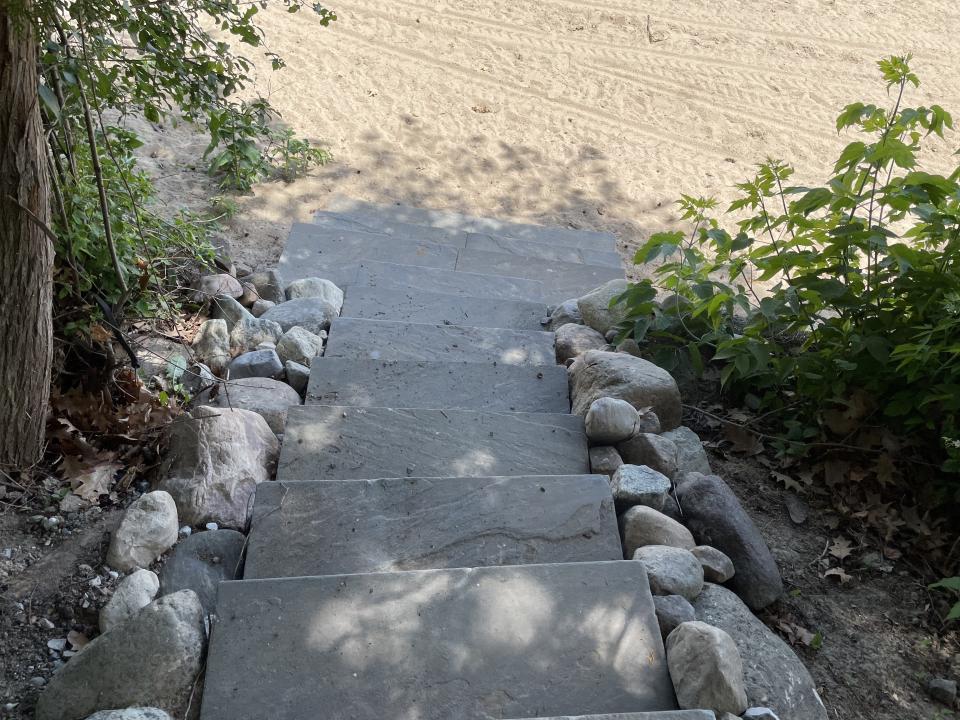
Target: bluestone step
[358, 526]
[471, 644]
[664, 715]
[418, 306]
[463, 284]
[543, 251]
[313, 251]
[360, 339]
[561, 280]
[448, 385]
[382, 216]
[344, 443]
[409, 231]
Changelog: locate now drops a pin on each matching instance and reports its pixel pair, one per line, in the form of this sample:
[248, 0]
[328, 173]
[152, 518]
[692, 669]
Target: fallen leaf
[840, 574]
[77, 640]
[96, 482]
[841, 548]
[742, 439]
[796, 509]
[788, 482]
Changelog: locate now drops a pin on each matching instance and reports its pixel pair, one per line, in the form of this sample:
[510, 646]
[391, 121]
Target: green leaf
[951, 583]
[49, 100]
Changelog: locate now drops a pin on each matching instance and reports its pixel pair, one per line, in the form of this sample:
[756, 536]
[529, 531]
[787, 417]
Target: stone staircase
[434, 546]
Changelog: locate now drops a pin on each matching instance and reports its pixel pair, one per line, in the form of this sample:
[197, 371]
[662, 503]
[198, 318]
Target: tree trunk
[26, 253]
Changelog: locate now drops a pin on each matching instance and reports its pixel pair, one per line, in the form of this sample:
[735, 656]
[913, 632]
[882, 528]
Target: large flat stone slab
[448, 385]
[463, 284]
[561, 280]
[360, 339]
[543, 251]
[665, 715]
[493, 642]
[418, 306]
[409, 231]
[345, 443]
[315, 251]
[357, 526]
[382, 216]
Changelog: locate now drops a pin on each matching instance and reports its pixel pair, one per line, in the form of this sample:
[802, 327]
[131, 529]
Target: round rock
[671, 571]
[642, 525]
[316, 288]
[574, 340]
[717, 567]
[595, 306]
[134, 592]
[610, 421]
[706, 669]
[313, 314]
[148, 529]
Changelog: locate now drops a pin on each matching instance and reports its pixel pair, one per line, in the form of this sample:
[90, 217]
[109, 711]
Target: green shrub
[841, 301]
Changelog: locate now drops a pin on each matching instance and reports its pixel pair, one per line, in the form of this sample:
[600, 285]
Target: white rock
[214, 463]
[151, 660]
[300, 346]
[595, 306]
[134, 592]
[597, 374]
[706, 669]
[211, 345]
[149, 528]
[316, 288]
[610, 421]
[642, 525]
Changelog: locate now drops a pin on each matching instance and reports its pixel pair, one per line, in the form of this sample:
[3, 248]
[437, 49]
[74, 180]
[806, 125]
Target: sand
[593, 114]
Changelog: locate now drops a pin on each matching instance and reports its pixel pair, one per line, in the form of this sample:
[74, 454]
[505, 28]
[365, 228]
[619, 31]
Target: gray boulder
[313, 314]
[250, 294]
[211, 345]
[671, 570]
[249, 332]
[316, 288]
[300, 346]
[268, 398]
[260, 306]
[141, 713]
[268, 284]
[214, 463]
[604, 460]
[943, 691]
[597, 374]
[135, 591]
[148, 529]
[717, 567]
[226, 308]
[641, 525]
[152, 660]
[574, 340]
[610, 421]
[716, 518]
[759, 713]
[256, 364]
[201, 562]
[595, 306]
[774, 675]
[566, 312]
[672, 610]
[654, 451]
[706, 668]
[639, 485]
[691, 457]
[209, 286]
[298, 376]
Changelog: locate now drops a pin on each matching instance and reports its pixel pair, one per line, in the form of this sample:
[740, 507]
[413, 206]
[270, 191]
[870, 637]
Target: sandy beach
[591, 114]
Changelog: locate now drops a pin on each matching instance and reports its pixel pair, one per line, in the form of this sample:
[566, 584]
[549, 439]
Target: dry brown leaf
[742, 439]
[95, 482]
[840, 574]
[841, 548]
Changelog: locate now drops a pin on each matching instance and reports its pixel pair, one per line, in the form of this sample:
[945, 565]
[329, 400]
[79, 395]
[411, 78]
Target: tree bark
[26, 253]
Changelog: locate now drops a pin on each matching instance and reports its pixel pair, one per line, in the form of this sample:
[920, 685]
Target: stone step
[383, 216]
[543, 251]
[515, 641]
[448, 385]
[344, 443]
[313, 251]
[360, 339]
[410, 231]
[462, 284]
[418, 306]
[664, 715]
[474, 241]
[359, 526]
[561, 280]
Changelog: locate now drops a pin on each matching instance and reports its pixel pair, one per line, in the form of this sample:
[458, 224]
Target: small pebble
[38, 681]
[10, 707]
[96, 581]
[46, 624]
[212, 526]
[186, 531]
[113, 574]
[8, 553]
[58, 644]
